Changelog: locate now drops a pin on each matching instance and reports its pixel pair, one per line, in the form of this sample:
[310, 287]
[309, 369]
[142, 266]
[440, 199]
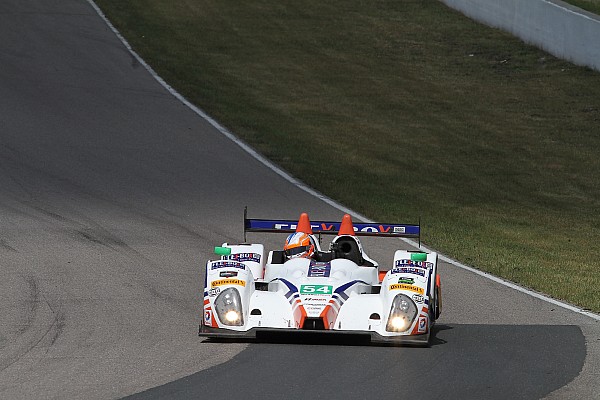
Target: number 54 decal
[316, 289]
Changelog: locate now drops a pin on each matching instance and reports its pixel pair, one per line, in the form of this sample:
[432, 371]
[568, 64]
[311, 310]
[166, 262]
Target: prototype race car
[339, 291]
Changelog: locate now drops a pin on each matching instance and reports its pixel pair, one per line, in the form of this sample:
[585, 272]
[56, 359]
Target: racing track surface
[112, 194]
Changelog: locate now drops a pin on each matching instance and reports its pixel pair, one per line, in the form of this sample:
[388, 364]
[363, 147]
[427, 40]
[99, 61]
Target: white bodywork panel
[336, 295]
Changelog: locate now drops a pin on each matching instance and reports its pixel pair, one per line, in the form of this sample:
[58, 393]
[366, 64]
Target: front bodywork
[247, 295]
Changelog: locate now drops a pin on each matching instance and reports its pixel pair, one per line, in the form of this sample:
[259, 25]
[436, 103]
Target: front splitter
[313, 336]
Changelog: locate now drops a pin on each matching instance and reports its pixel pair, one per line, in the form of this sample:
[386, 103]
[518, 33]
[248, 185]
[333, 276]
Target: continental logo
[401, 286]
[222, 282]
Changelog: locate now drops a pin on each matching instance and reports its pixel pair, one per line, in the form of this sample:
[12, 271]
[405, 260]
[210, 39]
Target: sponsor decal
[401, 286]
[207, 316]
[319, 269]
[358, 227]
[227, 274]
[408, 270]
[214, 291]
[381, 229]
[411, 263]
[241, 257]
[422, 327]
[407, 280]
[227, 264]
[222, 282]
[316, 289]
[418, 298]
[286, 226]
[315, 299]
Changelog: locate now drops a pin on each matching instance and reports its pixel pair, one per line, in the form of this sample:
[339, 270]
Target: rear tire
[438, 302]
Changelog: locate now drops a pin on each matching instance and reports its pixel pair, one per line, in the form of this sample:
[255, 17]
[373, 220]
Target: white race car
[340, 291]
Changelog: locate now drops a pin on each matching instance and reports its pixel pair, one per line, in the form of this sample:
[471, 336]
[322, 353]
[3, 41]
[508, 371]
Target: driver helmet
[354, 238]
[298, 245]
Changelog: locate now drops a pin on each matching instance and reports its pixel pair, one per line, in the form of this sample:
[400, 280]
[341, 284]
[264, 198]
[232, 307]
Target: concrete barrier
[559, 28]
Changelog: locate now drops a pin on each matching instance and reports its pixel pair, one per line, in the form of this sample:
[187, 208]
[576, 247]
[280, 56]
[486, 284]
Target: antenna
[245, 217]
[419, 231]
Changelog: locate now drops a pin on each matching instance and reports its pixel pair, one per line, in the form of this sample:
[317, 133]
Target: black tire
[438, 302]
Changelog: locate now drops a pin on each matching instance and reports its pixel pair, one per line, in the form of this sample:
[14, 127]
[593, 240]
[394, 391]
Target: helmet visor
[296, 251]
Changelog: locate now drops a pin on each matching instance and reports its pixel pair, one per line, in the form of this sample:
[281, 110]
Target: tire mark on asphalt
[57, 326]
[182, 304]
[52, 331]
[86, 230]
[102, 237]
[4, 244]
[32, 310]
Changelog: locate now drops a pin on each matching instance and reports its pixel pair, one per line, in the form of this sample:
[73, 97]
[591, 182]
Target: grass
[589, 5]
[401, 109]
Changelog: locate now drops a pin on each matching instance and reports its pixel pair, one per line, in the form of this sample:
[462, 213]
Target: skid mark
[4, 245]
[40, 329]
[101, 237]
[33, 299]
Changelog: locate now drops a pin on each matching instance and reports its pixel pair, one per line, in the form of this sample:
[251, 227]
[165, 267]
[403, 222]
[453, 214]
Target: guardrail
[556, 27]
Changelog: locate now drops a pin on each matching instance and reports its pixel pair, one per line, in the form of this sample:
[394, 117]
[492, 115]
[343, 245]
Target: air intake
[313, 324]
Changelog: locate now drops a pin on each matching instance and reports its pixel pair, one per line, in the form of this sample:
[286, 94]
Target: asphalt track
[112, 194]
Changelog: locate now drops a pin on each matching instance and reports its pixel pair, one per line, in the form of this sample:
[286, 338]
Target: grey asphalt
[112, 195]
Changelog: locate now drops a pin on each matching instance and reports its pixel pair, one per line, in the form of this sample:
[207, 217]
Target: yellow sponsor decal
[401, 286]
[228, 282]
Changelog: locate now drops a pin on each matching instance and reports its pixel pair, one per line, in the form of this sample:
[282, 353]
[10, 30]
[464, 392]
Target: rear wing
[332, 228]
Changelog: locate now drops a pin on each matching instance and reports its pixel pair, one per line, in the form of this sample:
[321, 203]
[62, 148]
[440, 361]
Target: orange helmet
[299, 244]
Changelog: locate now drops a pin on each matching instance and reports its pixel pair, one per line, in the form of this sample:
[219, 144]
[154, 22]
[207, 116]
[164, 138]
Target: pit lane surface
[112, 194]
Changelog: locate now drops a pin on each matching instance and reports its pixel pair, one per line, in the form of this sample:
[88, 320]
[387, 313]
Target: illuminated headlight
[232, 316]
[398, 324]
[402, 314]
[228, 306]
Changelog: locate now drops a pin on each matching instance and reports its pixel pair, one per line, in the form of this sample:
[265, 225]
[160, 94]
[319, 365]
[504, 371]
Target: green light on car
[418, 257]
[222, 251]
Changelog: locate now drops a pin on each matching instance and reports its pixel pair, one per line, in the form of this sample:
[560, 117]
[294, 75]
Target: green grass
[401, 109]
[589, 5]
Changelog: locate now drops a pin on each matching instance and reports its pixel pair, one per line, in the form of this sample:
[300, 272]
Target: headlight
[402, 314]
[228, 305]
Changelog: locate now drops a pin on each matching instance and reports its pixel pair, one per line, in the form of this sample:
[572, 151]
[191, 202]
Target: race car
[338, 291]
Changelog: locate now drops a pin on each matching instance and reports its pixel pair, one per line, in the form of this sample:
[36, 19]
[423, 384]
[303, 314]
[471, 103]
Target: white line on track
[313, 192]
